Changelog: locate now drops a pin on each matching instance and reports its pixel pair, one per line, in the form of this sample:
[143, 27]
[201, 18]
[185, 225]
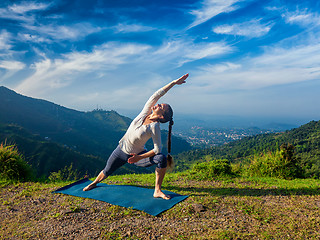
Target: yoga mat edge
[140, 198]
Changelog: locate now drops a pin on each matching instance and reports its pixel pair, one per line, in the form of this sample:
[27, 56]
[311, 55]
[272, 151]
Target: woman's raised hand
[182, 79]
[179, 81]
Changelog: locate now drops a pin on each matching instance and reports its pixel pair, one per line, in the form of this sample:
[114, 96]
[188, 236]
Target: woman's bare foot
[160, 194]
[89, 187]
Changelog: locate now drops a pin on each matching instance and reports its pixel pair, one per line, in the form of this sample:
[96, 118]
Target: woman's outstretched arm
[155, 97]
[178, 81]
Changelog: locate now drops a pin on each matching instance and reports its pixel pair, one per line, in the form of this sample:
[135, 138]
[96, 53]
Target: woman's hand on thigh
[134, 158]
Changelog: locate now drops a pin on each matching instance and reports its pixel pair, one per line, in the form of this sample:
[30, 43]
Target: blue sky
[245, 58]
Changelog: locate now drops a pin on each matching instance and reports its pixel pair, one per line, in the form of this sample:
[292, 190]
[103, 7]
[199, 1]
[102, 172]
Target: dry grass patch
[234, 209]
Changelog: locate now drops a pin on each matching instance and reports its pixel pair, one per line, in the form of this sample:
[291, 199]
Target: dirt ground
[32, 211]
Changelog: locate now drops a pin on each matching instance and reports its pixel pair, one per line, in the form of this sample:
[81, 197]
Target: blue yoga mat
[123, 195]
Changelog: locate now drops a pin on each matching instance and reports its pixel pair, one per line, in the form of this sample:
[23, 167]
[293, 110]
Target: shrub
[65, 174]
[279, 164]
[212, 169]
[12, 164]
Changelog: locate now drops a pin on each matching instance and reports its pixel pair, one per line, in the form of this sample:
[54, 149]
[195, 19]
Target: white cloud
[207, 50]
[25, 7]
[252, 28]
[54, 74]
[304, 18]
[182, 52]
[277, 66]
[10, 68]
[23, 11]
[34, 29]
[48, 32]
[12, 65]
[221, 68]
[131, 28]
[5, 40]
[32, 38]
[8, 65]
[211, 8]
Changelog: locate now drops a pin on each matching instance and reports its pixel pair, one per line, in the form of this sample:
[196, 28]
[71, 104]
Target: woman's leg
[116, 160]
[160, 173]
[161, 161]
[98, 179]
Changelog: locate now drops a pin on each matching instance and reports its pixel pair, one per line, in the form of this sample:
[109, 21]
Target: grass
[235, 208]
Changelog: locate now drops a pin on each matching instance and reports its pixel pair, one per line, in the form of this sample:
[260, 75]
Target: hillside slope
[84, 131]
[305, 138]
[46, 157]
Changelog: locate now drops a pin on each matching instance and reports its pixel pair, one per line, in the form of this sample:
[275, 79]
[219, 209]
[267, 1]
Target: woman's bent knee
[161, 160]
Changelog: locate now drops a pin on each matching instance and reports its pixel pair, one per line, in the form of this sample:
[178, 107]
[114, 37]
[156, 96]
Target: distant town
[201, 137]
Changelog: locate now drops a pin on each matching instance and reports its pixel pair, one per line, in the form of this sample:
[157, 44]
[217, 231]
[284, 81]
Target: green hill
[94, 132]
[306, 140]
[47, 156]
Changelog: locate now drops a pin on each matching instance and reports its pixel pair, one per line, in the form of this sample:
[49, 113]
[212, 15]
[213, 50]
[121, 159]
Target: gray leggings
[118, 158]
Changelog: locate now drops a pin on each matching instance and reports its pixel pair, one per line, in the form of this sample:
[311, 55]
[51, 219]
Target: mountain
[94, 133]
[305, 138]
[84, 131]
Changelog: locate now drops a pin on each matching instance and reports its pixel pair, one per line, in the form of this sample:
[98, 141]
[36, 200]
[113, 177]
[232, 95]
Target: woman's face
[160, 109]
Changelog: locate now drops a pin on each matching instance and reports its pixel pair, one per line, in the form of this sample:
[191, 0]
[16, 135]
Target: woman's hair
[167, 117]
[169, 157]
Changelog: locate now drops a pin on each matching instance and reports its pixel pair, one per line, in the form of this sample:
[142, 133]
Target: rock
[127, 234]
[38, 201]
[198, 207]
[13, 209]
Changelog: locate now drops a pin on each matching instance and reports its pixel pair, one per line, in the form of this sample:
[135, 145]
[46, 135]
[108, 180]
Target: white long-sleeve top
[138, 134]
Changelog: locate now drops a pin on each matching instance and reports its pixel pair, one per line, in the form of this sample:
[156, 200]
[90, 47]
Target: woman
[131, 147]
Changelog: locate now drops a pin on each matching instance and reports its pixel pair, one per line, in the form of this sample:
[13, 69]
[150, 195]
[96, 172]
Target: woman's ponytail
[167, 117]
[169, 157]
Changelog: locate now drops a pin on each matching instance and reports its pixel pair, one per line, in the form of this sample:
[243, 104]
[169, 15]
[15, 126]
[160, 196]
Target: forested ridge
[305, 139]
